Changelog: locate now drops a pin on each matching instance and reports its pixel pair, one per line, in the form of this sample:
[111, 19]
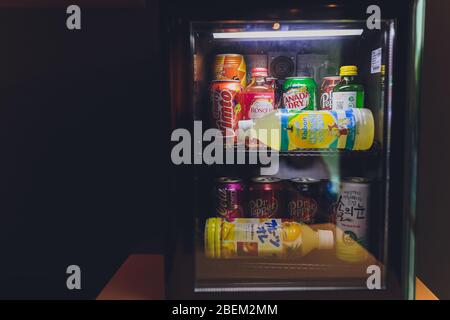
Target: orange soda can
[226, 106]
[230, 67]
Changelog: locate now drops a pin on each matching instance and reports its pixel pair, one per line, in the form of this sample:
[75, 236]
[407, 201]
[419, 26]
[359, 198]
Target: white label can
[352, 214]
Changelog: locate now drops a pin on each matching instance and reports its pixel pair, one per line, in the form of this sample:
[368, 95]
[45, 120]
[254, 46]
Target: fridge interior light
[288, 34]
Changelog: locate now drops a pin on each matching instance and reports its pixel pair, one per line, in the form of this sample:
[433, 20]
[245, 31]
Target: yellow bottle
[286, 130]
[262, 238]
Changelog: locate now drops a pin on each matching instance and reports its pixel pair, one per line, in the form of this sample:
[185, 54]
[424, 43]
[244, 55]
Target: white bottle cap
[326, 239]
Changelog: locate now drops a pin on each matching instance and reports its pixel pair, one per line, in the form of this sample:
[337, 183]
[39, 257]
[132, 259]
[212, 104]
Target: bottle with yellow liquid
[286, 130]
[262, 238]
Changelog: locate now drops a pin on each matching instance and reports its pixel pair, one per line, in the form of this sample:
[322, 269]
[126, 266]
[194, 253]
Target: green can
[299, 93]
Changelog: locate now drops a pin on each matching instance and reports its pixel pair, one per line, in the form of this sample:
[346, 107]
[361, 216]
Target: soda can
[304, 200]
[230, 67]
[326, 89]
[226, 96]
[352, 214]
[266, 198]
[229, 197]
[299, 93]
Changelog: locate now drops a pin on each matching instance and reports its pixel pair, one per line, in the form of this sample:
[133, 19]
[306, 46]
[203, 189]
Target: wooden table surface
[133, 281]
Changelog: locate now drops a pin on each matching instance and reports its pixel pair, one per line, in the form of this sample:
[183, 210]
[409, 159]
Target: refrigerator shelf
[374, 151]
[319, 268]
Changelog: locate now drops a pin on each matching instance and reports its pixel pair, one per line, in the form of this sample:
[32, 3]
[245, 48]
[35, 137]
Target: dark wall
[83, 147]
[433, 220]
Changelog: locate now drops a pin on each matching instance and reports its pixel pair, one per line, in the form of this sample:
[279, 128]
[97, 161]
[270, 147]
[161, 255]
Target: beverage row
[276, 238]
[341, 117]
[305, 200]
[263, 94]
[296, 203]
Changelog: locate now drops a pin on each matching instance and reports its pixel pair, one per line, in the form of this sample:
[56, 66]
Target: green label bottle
[348, 93]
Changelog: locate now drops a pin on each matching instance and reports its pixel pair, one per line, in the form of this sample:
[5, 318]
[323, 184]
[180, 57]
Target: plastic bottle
[285, 130]
[262, 238]
[348, 93]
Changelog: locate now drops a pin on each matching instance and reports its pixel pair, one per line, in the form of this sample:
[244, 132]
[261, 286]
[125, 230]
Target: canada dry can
[229, 198]
[326, 89]
[226, 96]
[230, 67]
[265, 197]
[352, 214]
[304, 200]
[299, 93]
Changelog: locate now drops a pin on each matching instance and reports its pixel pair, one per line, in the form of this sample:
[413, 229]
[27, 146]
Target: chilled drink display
[312, 95]
[262, 238]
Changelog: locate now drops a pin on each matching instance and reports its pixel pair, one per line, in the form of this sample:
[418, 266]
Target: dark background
[433, 194]
[83, 146]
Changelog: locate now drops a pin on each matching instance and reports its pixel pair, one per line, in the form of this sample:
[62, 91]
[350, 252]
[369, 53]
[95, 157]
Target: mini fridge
[292, 41]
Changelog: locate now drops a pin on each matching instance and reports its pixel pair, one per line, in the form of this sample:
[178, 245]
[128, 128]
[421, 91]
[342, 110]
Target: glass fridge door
[311, 211]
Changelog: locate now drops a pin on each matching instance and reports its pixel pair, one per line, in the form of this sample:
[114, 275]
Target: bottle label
[344, 100]
[252, 238]
[259, 104]
[334, 129]
[352, 221]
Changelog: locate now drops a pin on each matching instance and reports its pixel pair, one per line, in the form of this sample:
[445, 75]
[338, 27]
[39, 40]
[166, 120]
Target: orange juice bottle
[262, 238]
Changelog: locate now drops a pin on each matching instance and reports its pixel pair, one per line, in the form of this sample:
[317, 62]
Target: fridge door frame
[177, 48]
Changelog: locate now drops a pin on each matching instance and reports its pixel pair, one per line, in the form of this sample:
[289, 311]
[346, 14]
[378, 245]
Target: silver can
[352, 214]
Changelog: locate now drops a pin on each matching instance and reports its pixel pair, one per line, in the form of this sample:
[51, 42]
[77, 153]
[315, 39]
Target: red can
[227, 110]
[266, 199]
[325, 92]
[229, 198]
